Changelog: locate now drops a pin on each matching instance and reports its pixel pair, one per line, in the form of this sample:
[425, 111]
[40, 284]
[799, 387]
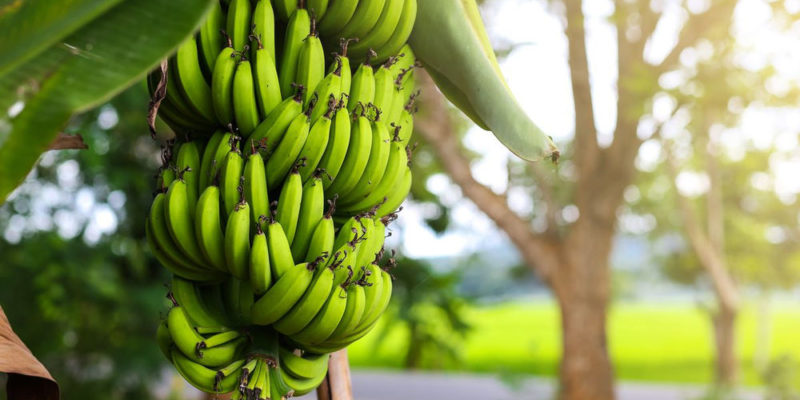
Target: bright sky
[538, 74]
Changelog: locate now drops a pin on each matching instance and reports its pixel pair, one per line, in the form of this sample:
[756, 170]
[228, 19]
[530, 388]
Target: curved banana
[178, 265]
[188, 163]
[364, 19]
[306, 366]
[336, 150]
[312, 208]
[270, 131]
[210, 38]
[237, 241]
[180, 221]
[318, 8]
[264, 27]
[205, 175]
[280, 252]
[206, 379]
[396, 198]
[268, 90]
[327, 92]
[395, 169]
[384, 28]
[238, 23]
[260, 272]
[356, 159]
[285, 8]
[308, 305]
[194, 346]
[310, 67]
[191, 80]
[285, 155]
[280, 298]
[230, 182]
[384, 88]
[303, 386]
[289, 205]
[222, 85]
[336, 16]
[297, 29]
[315, 144]
[353, 312]
[187, 296]
[255, 185]
[376, 165]
[362, 87]
[326, 320]
[245, 108]
[399, 36]
[321, 241]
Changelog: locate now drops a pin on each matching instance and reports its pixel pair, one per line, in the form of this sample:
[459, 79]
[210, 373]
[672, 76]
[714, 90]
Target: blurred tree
[567, 237]
[77, 281]
[429, 306]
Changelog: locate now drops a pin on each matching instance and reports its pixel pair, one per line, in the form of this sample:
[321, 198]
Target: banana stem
[337, 384]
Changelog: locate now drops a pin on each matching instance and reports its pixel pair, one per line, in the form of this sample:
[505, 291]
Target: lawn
[667, 342]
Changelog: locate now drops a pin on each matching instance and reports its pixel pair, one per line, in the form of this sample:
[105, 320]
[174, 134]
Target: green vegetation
[666, 342]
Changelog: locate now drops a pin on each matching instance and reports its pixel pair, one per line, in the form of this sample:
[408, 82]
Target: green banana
[289, 205]
[187, 296]
[321, 241]
[280, 251]
[297, 29]
[406, 125]
[210, 38]
[264, 28]
[473, 79]
[238, 299]
[362, 87]
[207, 161]
[245, 107]
[318, 8]
[237, 241]
[222, 85]
[285, 155]
[280, 298]
[178, 265]
[395, 169]
[230, 182]
[376, 165]
[180, 221]
[353, 312]
[268, 90]
[327, 92]
[238, 23]
[260, 272]
[383, 30]
[311, 210]
[188, 162]
[355, 161]
[395, 198]
[194, 346]
[306, 366]
[402, 31]
[191, 80]
[255, 185]
[336, 150]
[315, 144]
[303, 386]
[310, 67]
[326, 320]
[271, 130]
[285, 8]
[384, 88]
[336, 16]
[308, 305]
[363, 20]
[206, 379]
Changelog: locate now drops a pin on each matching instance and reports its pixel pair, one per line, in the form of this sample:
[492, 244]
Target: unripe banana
[297, 29]
[208, 228]
[312, 208]
[318, 8]
[264, 27]
[306, 366]
[285, 155]
[268, 90]
[309, 304]
[382, 31]
[356, 158]
[194, 346]
[400, 34]
[210, 38]
[362, 88]
[327, 93]
[363, 20]
[280, 252]
[396, 198]
[384, 88]
[188, 163]
[270, 132]
[238, 23]
[237, 241]
[302, 387]
[337, 147]
[406, 125]
[206, 379]
[222, 85]
[373, 172]
[255, 185]
[180, 221]
[245, 108]
[166, 251]
[285, 8]
[310, 64]
[230, 182]
[395, 169]
[353, 312]
[289, 205]
[322, 239]
[337, 16]
[191, 80]
[260, 272]
[186, 294]
[205, 175]
[326, 320]
[315, 145]
[280, 298]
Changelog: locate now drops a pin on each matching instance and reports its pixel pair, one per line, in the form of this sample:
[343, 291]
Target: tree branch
[436, 127]
[67, 142]
[697, 27]
[710, 257]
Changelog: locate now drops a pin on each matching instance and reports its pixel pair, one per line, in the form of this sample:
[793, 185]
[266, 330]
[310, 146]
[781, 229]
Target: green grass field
[667, 342]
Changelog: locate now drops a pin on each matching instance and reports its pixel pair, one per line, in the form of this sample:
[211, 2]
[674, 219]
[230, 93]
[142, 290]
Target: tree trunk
[725, 341]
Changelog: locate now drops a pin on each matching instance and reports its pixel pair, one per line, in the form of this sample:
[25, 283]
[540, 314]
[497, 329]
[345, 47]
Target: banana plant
[450, 40]
[77, 55]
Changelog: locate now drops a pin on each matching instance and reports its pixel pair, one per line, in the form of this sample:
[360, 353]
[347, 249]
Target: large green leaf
[31, 26]
[87, 68]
